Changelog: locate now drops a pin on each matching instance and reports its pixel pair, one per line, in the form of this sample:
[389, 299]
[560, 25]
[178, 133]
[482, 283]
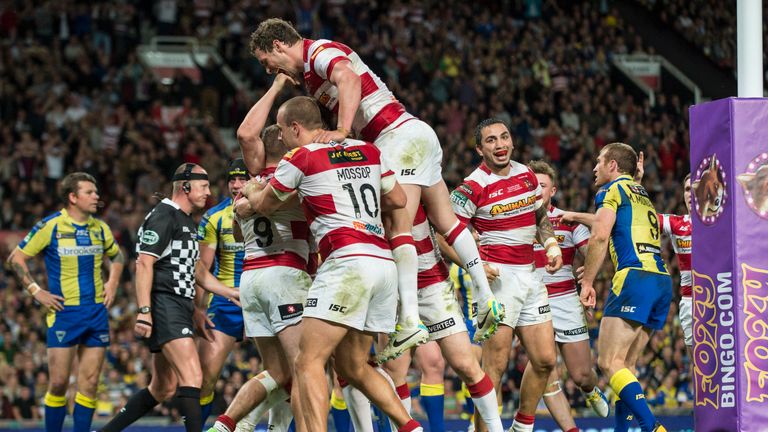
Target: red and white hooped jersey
[570, 237]
[279, 239]
[678, 228]
[340, 186]
[379, 110]
[432, 268]
[502, 210]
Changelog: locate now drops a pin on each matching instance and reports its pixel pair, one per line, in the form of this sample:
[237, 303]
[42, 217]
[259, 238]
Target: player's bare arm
[202, 323]
[394, 199]
[545, 235]
[208, 281]
[586, 219]
[18, 262]
[348, 83]
[145, 264]
[249, 132]
[597, 246]
[116, 266]
[266, 201]
[243, 209]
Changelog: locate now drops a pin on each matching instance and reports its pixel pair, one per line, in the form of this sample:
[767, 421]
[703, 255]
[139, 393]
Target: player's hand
[233, 295]
[143, 327]
[281, 79]
[587, 296]
[568, 217]
[110, 291]
[579, 274]
[491, 273]
[554, 264]
[51, 301]
[338, 135]
[202, 324]
[640, 169]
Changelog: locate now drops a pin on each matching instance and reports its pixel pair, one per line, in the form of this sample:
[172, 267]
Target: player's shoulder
[50, 220]
[319, 45]
[218, 208]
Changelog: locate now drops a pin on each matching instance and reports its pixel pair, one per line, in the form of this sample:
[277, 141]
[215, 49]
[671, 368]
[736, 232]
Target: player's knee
[543, 364]
[581, 377]
[605, 363]
[57, 386]
[162, 392]
[434, 370]
[352, 371]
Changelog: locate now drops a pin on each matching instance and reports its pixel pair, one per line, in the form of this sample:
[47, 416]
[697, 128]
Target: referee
[166, 271]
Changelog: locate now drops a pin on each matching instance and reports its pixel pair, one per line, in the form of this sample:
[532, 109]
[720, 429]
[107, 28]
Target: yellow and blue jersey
[635, 237]
[73, 256]
[216, 232]
[463, 284]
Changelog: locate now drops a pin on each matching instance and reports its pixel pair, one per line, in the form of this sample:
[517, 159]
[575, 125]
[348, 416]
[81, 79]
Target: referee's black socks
[189, 408]
[138, 405]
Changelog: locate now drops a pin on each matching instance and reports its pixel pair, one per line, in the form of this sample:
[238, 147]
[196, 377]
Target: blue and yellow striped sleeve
[608, 197]
[38, 238]
[207, 231]
[111, 248]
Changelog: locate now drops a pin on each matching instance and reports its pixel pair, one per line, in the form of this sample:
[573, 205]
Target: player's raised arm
[348, 83]
[249, 132]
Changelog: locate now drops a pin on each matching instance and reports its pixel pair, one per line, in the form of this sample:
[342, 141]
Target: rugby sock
[138, 405]
[462, 241]
[206, 405]
[249, 422]
[628, 388]
[407, 262]
[523, 422]
[574, 429]
[411, 426]
[189, 408]
[83, 412]
[623, 417]
[55, 411]
[484, 397]
[433, 402]
[280, 417]
[340, 414]
[404, 393]
[359, 408]
[224, 423]
[469, 406]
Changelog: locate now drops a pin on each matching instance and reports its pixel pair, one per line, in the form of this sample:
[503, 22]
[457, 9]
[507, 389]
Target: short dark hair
[304, 111]
[624, 155]
[541, 167]
[484, 124]
[270, 30]
[273, 145]
[71, 184]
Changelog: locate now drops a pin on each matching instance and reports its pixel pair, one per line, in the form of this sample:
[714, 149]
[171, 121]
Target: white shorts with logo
[686, 319]
[413, 152]
[523, 294]
[272, 299]
[568, 318]
[356, 291]
[439, 310]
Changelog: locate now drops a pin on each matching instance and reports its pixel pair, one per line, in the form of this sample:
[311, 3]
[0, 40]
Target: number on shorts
[654, 224]
[365, 187]
[262, 227]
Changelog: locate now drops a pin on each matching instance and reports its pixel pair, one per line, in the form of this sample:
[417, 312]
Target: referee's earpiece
[186, 187]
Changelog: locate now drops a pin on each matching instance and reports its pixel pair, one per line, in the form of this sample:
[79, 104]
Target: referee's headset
[186, 187]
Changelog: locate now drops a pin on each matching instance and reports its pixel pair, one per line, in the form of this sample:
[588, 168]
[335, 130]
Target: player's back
[278, 239]
[340, 189]
[635, 238]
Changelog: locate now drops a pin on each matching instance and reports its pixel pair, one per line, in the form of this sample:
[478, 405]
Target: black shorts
[171, 319]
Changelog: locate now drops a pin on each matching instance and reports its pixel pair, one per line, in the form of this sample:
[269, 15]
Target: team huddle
[331, 254]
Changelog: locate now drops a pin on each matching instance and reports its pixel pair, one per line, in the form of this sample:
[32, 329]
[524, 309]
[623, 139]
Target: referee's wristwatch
[145, 309]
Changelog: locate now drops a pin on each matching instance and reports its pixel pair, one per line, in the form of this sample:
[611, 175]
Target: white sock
[280, 417]
[519, 427]
[249, 422]
[359, 408]
[486, 404]
[466, 248]
[407, 262]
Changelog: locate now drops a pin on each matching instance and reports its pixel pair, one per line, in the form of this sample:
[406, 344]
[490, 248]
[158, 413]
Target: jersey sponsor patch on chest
[342, 156]
[459, 198]
[498, 209]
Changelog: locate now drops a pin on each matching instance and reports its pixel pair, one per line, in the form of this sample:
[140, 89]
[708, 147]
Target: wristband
[554, 252]
[146, 323]
[33, 289]
[550, 242]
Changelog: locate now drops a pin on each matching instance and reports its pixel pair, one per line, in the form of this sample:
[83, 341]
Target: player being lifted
[335, 76]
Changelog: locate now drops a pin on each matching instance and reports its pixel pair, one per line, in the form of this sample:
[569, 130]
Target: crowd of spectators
[710, 25]
[75, 97]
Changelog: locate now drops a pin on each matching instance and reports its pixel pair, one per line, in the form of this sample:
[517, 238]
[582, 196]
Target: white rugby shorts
[568, 318]
[272, 299]
[439, 310]
[413, 152]
[522, 292]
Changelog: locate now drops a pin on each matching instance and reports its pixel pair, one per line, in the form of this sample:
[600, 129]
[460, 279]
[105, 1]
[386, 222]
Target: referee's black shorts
[171, 319]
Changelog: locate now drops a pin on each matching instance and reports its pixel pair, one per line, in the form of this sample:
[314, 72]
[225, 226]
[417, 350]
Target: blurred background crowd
[75, 97]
